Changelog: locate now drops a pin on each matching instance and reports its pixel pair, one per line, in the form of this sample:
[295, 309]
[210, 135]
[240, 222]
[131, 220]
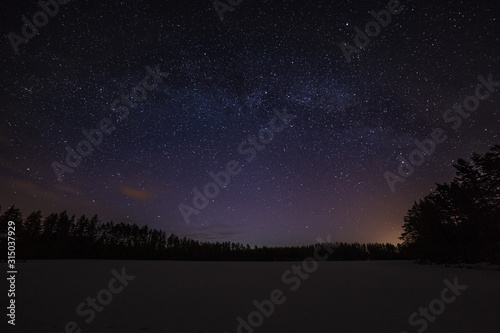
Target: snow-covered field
[164, 296]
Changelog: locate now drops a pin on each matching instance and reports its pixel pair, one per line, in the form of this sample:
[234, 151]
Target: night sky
[216, 85]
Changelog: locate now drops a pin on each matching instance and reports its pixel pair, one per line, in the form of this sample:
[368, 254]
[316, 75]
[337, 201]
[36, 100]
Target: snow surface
[169, 296]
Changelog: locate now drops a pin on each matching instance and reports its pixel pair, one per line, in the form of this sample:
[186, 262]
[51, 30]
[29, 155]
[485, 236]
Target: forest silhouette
[456, 223]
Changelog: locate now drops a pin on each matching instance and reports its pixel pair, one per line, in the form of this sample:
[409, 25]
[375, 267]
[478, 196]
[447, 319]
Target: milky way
[321, 174]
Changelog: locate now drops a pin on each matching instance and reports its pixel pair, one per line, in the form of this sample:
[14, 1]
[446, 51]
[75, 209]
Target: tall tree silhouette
[459, 221]
[12, 214]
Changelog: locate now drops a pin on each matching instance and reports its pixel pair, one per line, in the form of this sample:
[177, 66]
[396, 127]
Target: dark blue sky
[322, 173]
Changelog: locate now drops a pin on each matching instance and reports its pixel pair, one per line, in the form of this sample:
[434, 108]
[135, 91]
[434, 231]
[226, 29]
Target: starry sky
[321, 174]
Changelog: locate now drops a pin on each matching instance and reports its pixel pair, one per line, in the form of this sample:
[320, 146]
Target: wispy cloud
[215, 232]
[139, 195]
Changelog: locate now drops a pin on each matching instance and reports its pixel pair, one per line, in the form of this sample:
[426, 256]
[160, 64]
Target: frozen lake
[166, 296]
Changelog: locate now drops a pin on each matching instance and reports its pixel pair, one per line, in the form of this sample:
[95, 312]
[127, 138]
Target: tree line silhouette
[457, 222]
[460, 221]
[60, 236]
